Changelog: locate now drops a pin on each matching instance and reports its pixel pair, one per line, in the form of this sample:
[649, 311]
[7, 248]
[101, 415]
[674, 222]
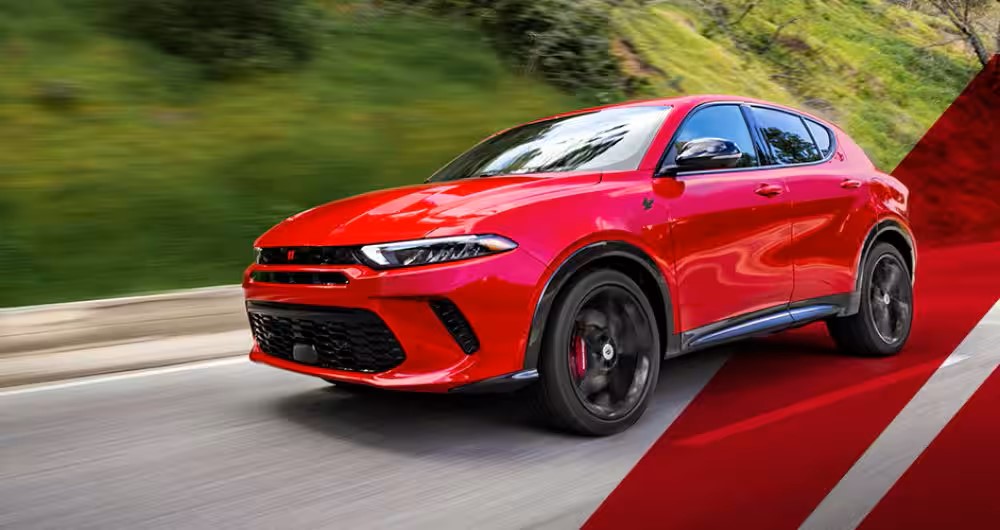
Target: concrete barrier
[56, 341]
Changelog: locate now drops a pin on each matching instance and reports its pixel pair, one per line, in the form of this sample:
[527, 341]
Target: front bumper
[495, 294]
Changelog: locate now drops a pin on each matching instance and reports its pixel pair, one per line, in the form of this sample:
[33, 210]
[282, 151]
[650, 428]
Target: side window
[717, 121]
[822, 135]
[787, 135]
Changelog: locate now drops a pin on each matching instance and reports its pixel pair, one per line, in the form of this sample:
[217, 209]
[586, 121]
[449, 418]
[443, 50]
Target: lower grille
[300, 278]
[354, 340]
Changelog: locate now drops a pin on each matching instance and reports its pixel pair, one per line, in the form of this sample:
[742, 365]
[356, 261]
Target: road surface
[230, 444]
[236, 445]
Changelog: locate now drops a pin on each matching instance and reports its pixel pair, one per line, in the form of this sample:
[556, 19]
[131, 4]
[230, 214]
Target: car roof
[691, 101]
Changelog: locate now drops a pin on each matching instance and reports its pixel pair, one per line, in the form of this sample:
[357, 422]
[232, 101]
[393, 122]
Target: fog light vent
[456, 324]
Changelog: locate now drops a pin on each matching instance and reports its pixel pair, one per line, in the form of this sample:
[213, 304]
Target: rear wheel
[600, 357]
[882, 323]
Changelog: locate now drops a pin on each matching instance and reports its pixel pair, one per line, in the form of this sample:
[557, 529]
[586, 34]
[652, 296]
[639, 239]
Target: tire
[599, 398]
[882, 323]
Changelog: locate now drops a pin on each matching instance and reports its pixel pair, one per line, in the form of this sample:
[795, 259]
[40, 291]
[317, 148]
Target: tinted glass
[822, 136]
[717, 121]
[787, 135]
[607, 140]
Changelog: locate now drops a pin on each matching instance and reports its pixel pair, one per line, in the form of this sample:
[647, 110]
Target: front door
[730, 229]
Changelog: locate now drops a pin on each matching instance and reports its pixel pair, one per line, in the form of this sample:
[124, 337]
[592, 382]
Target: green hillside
[153, 178]
[871, 67]
[123, 169]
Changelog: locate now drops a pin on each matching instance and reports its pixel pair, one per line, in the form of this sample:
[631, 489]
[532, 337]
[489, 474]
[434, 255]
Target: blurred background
[146, 143]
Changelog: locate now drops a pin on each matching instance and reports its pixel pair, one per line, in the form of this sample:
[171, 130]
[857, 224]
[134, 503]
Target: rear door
[829, 217]
[730, 228]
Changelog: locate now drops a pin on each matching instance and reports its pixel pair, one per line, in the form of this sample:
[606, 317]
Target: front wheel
[601, 355]
[882, 323]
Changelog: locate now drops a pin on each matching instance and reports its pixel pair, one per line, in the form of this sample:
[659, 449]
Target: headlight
[434, 250]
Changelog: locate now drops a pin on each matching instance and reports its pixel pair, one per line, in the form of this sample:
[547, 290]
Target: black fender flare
[886, 225]
[576, 262]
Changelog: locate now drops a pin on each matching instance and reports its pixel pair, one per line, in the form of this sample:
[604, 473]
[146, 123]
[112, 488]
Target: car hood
[412, 212]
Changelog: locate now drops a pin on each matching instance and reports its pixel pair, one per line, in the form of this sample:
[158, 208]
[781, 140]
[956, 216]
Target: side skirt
[764, 322]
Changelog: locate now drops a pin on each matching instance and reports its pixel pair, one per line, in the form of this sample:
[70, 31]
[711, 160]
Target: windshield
[606, 140]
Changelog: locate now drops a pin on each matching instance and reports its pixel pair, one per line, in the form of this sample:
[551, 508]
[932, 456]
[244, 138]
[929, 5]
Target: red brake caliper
[578, 357]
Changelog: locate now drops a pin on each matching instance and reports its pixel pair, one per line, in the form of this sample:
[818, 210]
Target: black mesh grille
[308, 256]
[457, 325]
[302, 278]
[355, 340]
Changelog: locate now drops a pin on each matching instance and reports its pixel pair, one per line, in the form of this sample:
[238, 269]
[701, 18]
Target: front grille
[300, 278]
[456, 324]
[355, 340]
[308, 256]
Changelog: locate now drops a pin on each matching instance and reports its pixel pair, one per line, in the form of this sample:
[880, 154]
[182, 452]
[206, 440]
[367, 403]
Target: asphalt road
[236, 445]
[229, 444]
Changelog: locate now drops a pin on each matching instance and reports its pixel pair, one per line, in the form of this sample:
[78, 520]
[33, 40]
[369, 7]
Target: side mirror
[705, 153]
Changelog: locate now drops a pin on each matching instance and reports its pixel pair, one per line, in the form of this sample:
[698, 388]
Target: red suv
[577, 252]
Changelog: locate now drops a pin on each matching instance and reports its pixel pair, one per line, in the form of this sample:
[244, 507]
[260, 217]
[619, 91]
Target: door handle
[850, 184]
[769, 190]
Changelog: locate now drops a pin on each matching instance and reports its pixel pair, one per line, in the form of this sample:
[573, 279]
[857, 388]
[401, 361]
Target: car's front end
[431, 314]
[431, 287]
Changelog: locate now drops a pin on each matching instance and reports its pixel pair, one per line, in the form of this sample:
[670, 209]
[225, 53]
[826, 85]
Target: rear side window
[787, 136]
[822, 135]
[717, 121]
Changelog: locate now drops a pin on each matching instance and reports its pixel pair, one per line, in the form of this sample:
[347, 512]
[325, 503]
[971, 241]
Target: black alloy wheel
[889, 301]
[601, 355]
[882, 324]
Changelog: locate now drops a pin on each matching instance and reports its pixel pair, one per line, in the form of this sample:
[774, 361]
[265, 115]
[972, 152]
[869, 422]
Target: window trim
[658, 172]
[755, 134]
[805, 126]
[829, 134]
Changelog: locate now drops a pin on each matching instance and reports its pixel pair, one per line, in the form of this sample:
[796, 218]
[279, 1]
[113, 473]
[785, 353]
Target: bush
[567, 42]
[229, 37]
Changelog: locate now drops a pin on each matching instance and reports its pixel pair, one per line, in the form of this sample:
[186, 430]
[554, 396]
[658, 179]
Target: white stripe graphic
[913, 429]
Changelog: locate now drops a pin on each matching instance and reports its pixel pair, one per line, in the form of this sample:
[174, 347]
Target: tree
[963, 14]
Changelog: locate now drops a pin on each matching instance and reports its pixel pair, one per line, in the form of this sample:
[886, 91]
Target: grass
[122, 170]
[152, 178]
[867, 65]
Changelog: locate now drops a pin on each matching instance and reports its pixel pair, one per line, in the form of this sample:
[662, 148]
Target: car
[573, 254]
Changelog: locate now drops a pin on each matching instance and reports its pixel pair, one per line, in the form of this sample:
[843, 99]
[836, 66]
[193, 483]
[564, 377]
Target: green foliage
[229, 37]
[124, 170]
[868, 65]
[158, 179]
[566, 42]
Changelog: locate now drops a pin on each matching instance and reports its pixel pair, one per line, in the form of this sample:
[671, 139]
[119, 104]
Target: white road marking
[91, 380]
[913, 429]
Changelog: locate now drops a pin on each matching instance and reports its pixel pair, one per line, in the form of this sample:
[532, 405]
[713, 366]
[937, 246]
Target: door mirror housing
[704, 154]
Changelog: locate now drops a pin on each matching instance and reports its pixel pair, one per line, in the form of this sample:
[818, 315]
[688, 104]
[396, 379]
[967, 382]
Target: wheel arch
[889, 231]
[617, 255]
